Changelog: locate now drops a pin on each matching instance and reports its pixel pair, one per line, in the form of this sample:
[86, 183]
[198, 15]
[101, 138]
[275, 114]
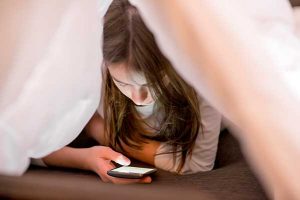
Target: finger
[146, 179]
[115, 156]
[130, 181]
[104, 179]
[103, 167]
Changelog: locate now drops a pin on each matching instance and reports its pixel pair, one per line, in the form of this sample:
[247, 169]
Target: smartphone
[131, 172]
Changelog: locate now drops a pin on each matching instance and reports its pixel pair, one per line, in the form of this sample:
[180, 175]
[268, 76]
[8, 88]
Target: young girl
[148, 112]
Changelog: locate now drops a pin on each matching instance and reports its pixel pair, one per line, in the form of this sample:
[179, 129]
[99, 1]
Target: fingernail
[148, 180]
[123, 160]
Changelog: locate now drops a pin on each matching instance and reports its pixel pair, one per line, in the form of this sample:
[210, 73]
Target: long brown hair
[128, 40]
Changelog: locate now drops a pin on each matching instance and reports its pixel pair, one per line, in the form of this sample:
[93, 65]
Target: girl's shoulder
[209, 114]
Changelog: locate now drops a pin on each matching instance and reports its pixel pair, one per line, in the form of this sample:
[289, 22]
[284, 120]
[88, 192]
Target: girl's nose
[139, 95]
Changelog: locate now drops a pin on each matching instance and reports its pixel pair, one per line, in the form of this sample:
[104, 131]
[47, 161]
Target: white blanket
[50, 76]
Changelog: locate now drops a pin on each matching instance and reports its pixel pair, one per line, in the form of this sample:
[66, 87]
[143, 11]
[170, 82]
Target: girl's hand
[99, 161]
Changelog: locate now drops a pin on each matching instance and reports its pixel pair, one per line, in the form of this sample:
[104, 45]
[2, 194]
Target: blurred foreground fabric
[50, 58]
[243, 56]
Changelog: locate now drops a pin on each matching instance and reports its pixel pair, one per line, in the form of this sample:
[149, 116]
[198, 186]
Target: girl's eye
[122, 84]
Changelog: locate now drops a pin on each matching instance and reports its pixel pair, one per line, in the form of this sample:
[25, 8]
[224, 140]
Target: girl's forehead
[120, 72]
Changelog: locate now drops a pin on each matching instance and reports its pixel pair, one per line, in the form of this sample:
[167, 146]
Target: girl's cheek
[125, 91]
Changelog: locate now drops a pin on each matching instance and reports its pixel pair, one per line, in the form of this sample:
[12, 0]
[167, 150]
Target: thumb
[146, 179]
[116, 157]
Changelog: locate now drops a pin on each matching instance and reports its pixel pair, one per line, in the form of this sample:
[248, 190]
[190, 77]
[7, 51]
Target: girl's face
[131, 84]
